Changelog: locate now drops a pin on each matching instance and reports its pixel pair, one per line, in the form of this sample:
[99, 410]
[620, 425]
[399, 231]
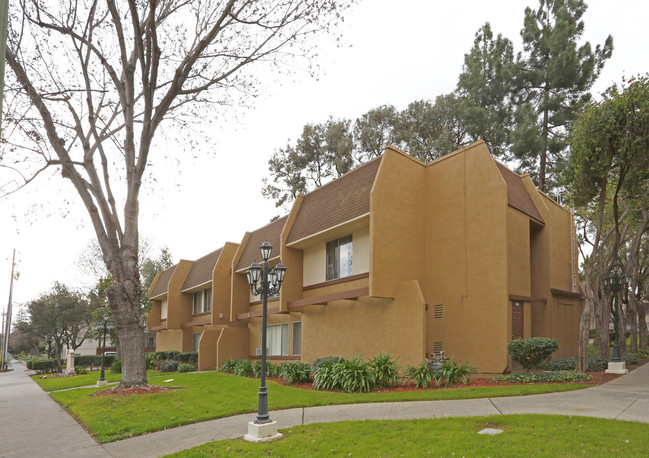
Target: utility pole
[3, 355]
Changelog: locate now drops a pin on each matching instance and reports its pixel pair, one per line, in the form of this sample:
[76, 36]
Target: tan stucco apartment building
[459, 255]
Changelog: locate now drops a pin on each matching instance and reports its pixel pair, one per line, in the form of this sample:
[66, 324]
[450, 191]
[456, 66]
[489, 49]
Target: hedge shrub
[189, 357]
[532, 352]
[93, 360]
[44, 365]
[544, 377]
[229, 366]
[116, 367]
[186, 368]
[169, 366]
[385, 370]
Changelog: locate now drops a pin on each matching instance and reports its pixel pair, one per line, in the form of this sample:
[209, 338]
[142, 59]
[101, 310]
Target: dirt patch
[135, 390]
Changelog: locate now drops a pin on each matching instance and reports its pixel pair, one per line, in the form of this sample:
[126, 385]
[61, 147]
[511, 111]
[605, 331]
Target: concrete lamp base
[102, 383]
[265, 432]
[617, 367]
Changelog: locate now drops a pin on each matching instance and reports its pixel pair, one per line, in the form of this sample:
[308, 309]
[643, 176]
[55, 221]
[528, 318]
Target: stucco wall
[467, 258]
[169, 340]
[232, 344]
[367, 326]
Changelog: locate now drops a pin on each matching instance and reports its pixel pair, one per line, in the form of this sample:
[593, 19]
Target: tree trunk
[584, 329]
[124, 301]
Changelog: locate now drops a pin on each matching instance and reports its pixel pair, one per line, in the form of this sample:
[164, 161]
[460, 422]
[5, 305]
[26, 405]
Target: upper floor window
[339, 258]
[203, 301]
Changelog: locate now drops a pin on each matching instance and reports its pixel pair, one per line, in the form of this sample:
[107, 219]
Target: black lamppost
[269, 284]
[614, 283]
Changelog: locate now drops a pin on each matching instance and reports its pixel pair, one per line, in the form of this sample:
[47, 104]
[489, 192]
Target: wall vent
[438, 311]
[438, 347]
[258, 351]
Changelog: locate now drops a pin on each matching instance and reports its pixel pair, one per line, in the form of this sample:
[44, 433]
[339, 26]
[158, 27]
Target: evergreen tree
[554, 80]
[486, 87]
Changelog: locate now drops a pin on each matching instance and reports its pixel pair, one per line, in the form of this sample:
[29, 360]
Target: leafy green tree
[149, 268]
[608, 176]
[428, 130]
[555, 78]
[323, 152]
[23, 338]
[486, 88]
[62, 315]
[373, 131]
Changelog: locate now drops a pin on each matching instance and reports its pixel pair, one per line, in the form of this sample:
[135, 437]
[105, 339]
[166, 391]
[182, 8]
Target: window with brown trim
[339, 258]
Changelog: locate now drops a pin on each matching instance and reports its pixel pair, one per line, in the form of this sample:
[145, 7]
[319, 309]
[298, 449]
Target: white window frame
[339, 262]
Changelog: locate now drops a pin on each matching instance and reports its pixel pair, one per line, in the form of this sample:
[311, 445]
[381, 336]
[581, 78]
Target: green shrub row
[185, 367]
[293, 372]
[157, 359]
[544, 377]
[93, 360]
[116, 367]
[595, 362]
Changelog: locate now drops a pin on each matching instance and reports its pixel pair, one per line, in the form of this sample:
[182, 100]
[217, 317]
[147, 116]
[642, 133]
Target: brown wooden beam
[538, 300]
[352, 295]
[244, 316]
[191, 324]
[162, 327]
[560, 292]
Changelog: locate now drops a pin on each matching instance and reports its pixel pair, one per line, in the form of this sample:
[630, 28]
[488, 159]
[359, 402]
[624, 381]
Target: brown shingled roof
[201, 271]
[162, 285]
[270, 232]
[517, 195]
[338, 201]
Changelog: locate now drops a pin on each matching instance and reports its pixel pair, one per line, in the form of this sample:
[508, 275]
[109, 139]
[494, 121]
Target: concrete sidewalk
[625, 398]
[34, 425]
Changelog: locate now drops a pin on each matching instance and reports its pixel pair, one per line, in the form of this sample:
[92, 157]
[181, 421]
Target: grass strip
[51, 382]
[524, 435]
[205, 396]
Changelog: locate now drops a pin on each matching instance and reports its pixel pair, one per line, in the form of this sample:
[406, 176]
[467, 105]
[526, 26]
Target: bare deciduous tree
[92, 81]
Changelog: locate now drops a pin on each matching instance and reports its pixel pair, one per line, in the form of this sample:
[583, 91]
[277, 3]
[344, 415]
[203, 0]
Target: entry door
[517, 320]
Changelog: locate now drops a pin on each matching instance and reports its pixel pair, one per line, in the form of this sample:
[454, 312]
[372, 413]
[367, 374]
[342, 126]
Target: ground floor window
[276, 339]
[297, 338]
[196, 337]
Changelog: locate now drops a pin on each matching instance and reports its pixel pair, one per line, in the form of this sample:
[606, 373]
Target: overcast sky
[392, 53]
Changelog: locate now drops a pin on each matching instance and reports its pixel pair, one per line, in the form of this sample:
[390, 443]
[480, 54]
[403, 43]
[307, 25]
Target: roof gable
[337, 202]
[162, 285]
[270, 232]
[201, 271]
[517, 195]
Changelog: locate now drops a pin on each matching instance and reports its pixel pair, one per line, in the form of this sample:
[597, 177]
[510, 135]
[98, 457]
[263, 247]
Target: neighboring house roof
[201, 271]
[337, 202]
[517, 195]
[162, 286]
[270, 232]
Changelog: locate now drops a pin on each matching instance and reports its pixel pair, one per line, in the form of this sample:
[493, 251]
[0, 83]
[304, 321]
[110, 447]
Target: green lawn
[210, 395]
[524, 435]
[51, 382]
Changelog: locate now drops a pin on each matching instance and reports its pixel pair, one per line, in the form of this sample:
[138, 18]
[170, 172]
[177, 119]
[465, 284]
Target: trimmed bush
[565, 364]
[544, 377]
[385, 370]
[186, 368]
[44, 365]
[451, 373]
[116, 367]
[532, 352]
[318, 363]
[169, 366]
[295, 372]
[596, 363]
[93, 360]
[421, 374]
[630, 358]
[80, 370]
[189, 357]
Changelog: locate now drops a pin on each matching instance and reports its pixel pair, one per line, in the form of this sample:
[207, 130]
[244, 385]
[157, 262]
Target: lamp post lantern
[614, 283]
[264, 283]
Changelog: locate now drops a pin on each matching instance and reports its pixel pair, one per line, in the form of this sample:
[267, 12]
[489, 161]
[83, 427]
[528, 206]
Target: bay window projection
[339, 258]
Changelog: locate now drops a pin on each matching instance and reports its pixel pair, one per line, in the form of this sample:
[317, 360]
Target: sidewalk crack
[626, 408]
[495, 406]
